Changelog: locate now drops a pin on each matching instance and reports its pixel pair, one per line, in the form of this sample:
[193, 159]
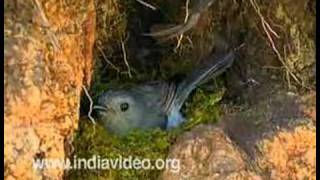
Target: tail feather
[201, 76]
[177, 30]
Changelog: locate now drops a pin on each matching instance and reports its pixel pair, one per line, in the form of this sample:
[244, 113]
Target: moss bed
[118, 23]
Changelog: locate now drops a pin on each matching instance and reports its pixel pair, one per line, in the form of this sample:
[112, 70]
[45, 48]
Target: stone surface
[206, 152]
[47, 59]
[290, 154]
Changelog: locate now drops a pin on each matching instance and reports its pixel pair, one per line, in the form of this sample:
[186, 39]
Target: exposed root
[125, 59]
[91, 105]
[106, 59]
[268, 30]
[185, 21]
[148, 5]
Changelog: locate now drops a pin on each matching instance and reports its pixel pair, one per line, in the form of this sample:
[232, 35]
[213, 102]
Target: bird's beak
[103, 108]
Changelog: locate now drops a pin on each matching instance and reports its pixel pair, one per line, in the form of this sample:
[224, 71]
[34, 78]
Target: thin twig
[45, 22]
[106, 59]
[179, 42]
[185, 21]
[187, 11]
[267, 29]
[257, 9]
[287, 74]
[271, 30]
[239, 47]
[91, 104]
[190, 41]
[125, 59]
[148, 5]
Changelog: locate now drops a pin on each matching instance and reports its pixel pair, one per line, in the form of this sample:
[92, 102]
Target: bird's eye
[124, 107]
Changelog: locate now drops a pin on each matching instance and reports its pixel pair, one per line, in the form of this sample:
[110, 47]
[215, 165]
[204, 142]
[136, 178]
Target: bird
[195, 12]
[155, 104]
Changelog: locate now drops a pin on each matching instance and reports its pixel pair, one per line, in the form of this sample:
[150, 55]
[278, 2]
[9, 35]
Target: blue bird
[154, 104]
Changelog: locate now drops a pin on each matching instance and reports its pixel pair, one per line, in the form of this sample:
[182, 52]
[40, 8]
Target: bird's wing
[157, 95]
[159, 99]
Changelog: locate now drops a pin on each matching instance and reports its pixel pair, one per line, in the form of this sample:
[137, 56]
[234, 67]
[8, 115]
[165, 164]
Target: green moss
[203, 109]
[93, 140]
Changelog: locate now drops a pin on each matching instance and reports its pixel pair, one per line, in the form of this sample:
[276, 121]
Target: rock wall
[47, 59]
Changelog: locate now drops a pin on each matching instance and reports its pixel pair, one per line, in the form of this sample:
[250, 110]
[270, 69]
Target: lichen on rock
[48, 56]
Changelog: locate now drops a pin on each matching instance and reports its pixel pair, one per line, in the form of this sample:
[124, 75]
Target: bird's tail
[218, 66]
